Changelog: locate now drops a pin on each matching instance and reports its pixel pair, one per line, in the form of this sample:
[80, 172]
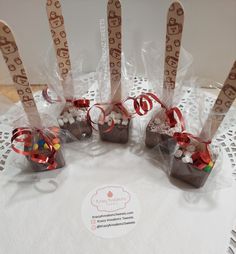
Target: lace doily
[226, 135]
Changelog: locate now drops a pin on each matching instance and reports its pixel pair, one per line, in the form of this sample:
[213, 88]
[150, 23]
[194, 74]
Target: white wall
[209, 32]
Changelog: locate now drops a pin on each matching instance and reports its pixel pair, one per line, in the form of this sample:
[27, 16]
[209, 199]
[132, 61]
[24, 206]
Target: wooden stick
[222, 105]
[175, 21]
[14, 63]
[56, 23]
[115, 49]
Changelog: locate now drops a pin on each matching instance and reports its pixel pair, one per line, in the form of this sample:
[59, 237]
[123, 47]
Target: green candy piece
[208, 168]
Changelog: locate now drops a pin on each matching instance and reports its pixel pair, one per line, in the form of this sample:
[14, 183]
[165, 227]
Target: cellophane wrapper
[182, 162]
[153, 60]
[79, 86]
[15, 118]
[105, 93]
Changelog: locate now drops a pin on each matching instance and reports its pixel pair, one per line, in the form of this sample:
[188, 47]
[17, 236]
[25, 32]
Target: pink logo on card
[110, 198]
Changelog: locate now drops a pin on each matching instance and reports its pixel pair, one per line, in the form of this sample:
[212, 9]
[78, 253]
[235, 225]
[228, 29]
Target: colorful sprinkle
[208, 168]
[56, 141]
[57, 147]
[35, 147]
[41, 142]
[211, 164]
[45, 146]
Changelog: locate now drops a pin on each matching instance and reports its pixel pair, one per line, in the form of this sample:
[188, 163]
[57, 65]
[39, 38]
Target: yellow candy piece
[210, 164]
[35, 147]
[45, 146]
[57, 146]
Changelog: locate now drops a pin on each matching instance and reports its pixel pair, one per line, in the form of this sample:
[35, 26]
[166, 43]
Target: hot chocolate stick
[14, 63]
[175, 21]
[222, 105]
[119, 133]
[56, 22]
[114, 35]
[194, 163]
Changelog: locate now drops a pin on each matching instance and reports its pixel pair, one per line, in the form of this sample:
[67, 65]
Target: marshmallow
[117, 121]
[71, 120]
[187, 154]
[60, 122]
[125, 122]
[65, 120]
[78, 118]
[178, 153]
[187, 159]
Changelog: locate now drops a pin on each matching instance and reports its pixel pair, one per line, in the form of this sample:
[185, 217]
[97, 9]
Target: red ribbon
[201, 158]
[79, 103]
[143, 103]
[25, 135]
[48, 98]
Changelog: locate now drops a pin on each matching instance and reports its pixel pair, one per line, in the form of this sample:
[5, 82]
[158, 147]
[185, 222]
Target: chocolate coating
[119, 133]
[187, 173]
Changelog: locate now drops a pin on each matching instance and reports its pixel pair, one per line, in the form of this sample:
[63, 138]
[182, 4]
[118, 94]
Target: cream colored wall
[209, 32]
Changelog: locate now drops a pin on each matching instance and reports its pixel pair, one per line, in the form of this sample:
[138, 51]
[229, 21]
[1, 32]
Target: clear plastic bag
[164, 118]
[73, 92]
[197, 158]
[114, 121]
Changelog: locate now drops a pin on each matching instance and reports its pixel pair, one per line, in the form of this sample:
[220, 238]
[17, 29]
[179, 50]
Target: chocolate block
[119, 133]
[166, 142]
[43, 166]
[186, 172]
[158, 132]
[78, 129]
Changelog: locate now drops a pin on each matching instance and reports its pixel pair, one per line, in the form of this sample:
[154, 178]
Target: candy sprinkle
[41, 142]
[56, 141]
[208, 168]
[57, 147]
[45, 146]
[35, 147]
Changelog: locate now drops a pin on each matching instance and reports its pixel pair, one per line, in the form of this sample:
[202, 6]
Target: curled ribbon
[25, 135]
[48, 98]
[201, 158]
[144, 103]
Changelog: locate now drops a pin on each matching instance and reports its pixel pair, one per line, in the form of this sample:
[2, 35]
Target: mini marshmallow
[60, 122]
[112, 114]
[178, 153]
[125, 122]
[65, 120]
[187, 159]
[78, 118]
[107, 118]
[187, 154]
[117, 121]
[71, 120]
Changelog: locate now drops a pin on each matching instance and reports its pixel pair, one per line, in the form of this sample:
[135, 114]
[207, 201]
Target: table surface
[9, 92]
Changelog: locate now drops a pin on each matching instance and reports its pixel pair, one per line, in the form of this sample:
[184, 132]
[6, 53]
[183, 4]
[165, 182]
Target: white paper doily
[226, 136]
